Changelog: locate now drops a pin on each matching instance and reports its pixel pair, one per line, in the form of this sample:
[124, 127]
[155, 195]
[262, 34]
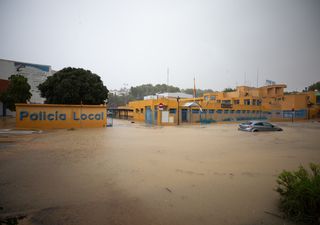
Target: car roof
[258, 121]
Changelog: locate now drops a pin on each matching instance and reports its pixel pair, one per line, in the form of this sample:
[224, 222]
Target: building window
[219, 111]
[243, 111]
[236, 102]
[204, 111]
[206, 97]
[172, 111]
[253, 111]
[258, 102]
[226, 102]
[219, 101]
[238, 111]
[254, 101]
[226, 111]
[247, 101]
[195, 111]
[141, 110]
[137, 110]
[211, 111]
[212, 97]
[231, 111]
[248, 111]
[318, 99]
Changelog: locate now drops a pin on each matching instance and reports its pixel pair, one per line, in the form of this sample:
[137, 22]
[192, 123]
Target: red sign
[161, 106]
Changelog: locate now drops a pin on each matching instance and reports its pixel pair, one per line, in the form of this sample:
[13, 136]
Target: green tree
[315, 86]
[140, 91]
[118, 100]
[18, 92]
[199, 92]
[229, 90]
[74, 86]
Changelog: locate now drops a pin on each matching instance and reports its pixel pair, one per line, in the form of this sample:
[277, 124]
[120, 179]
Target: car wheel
[254, 130]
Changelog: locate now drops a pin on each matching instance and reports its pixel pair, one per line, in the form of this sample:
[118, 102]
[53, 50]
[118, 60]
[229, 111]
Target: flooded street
[136, 174]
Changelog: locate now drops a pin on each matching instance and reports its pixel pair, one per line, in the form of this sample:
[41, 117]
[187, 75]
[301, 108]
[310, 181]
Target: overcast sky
[222, 43]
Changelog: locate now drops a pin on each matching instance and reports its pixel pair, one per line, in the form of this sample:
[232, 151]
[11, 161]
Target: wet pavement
[136, 174]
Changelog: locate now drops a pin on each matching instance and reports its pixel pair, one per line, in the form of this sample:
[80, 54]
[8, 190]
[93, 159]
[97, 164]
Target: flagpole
[194, 89]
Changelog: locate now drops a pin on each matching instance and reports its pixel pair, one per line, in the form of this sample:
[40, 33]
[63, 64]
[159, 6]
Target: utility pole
[178, 99]
[168, 80]
[257, 77]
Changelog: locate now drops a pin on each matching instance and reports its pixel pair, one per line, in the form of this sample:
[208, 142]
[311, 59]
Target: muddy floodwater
[137, 174]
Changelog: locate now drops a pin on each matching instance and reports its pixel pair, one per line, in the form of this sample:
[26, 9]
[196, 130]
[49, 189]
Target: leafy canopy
[315, 86]
[140, 91]
[18, 92]
[229, 90]
[74, 86]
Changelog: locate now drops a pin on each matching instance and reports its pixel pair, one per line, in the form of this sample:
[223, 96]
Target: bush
[300, 194]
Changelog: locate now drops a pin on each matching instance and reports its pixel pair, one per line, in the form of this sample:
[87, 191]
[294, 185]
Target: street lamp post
[178, 99]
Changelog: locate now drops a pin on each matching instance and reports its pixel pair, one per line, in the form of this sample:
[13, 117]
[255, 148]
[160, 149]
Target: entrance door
[184, 114]
[148, 115]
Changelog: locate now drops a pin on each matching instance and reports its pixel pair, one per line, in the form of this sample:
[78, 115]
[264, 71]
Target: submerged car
[254, 126]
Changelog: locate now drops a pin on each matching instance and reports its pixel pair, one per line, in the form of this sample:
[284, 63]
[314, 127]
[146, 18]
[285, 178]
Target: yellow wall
[46, 116]
[274, 104]
[139, 115]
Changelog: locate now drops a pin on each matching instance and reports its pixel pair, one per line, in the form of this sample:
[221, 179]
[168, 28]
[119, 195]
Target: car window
[258, 124]
[268, 124]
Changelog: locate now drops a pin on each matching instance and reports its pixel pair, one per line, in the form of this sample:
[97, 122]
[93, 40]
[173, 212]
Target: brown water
[135, 174]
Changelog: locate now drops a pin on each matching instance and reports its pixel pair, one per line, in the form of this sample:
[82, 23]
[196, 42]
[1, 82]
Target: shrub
[300, 194]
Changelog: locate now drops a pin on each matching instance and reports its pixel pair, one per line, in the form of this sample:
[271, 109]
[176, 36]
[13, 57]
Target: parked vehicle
[254, 126]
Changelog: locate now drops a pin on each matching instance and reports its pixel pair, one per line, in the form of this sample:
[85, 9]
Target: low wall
[47, 116]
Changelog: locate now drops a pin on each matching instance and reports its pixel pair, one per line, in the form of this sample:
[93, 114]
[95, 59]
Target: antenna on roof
[168, 79]
[258, 77]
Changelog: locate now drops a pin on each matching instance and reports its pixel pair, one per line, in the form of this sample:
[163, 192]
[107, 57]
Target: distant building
[35, 73]
[121, 92]
[168, 95]
[245, 103]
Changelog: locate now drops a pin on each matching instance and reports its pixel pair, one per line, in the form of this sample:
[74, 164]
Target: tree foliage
[229, 90]
[300, 194]
[18, 92]
[74, 86]
[199, 92]
[315, 86]
[140, 91]
[119, 100]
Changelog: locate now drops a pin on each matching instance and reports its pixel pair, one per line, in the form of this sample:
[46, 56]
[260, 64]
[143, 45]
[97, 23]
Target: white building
[168, 95]
[121, 92]
[35, 73]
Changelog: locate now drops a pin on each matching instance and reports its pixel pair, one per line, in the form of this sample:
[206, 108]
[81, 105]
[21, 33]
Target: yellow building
[46, 116]
[245, 103]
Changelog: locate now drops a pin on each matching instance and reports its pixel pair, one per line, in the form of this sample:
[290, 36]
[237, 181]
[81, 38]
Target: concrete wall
[46, 116]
